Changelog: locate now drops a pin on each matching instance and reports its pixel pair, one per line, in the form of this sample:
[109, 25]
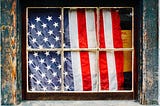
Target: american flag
[83, 71]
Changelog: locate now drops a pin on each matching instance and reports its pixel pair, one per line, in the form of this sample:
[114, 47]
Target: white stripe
[91, 36]
[109, 44]
[75, 56]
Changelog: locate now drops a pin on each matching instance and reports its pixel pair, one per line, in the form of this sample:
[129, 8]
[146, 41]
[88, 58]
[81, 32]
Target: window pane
[115, 70]
[80, 28]
[44, 26]
[44, 71]
[80, 71]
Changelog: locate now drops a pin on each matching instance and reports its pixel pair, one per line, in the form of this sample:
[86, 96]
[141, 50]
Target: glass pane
[80, 71]
[44, 27]
[115, 70]
[44, 71]
[115, 26]
[80, 28]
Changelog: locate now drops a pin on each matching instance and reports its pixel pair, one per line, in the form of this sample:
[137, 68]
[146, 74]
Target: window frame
[104, 95]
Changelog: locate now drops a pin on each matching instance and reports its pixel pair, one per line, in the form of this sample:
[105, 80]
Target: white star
[29, 47]
[31, 76]
[32, 26]
[34, 40]
[33, 89]
[49, 18]
[43, 75]
[35, 54]
[39, 33]
[49, 81]
[48, 67]
[45, 39]
[58, 52]
[37, 68]
[64, 45]
[55, 24]
[54, 74]
[51, 46]
[60, 17]
[30, 62]
[55, 88]
[41, 61]
[59, 66]
[28, 33]
[60, 80]
[40, 47]
[50, 32]
[44, 88]
[44, 25]
[38, 82]
[53, 60]
[65, 59]
[38, 19]
[67, 87]
[46, 53]
[57, 38]
[65, 73]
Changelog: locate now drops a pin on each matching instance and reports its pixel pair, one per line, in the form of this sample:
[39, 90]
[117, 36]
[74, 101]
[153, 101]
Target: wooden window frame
[67, 95]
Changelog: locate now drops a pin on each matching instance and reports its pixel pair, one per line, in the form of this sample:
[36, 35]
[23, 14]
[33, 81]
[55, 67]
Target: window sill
[81, 103]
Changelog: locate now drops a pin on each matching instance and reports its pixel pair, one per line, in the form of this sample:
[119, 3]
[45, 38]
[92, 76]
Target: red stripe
[104, 82]
[84, 56]
[118, 44]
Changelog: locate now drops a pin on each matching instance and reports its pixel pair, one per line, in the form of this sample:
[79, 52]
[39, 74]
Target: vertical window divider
[97, 51]
[27, 46]
[62, 49]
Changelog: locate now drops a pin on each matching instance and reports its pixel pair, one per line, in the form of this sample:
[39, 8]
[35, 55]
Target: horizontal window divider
[84, 49]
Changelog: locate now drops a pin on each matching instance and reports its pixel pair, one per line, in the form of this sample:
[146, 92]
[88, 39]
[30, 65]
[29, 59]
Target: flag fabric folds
[83, 70]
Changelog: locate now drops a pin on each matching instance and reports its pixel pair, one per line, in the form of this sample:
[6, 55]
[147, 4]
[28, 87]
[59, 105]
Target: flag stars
[56, 38]
[35, 54]
[50, 32]
[43, 75]
[41, 61]
[55, 24]
[33, 89]
[65, 73]
[54, 74]
[53, 60]
[44, 88]
[44, 25]
[38, 19]
[51, 46]
[30, 61]
[37, 68]
[39, 33]
[48, 67]
[67, 87]
[45, 39]
[46, 53]
[31, 76]
[34, 40]
[49, 81]
[56, 88]
[60, 81]
[49, 18]
[58, 52]
[32, 26]
[28, 33]
[60, 17]
[38, 82]
[40, 47]
[59, 66]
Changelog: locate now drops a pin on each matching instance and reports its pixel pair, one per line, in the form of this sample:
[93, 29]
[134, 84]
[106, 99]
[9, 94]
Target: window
[79, 51]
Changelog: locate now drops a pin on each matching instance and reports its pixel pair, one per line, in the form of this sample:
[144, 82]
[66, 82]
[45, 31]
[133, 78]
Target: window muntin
[63, 47]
